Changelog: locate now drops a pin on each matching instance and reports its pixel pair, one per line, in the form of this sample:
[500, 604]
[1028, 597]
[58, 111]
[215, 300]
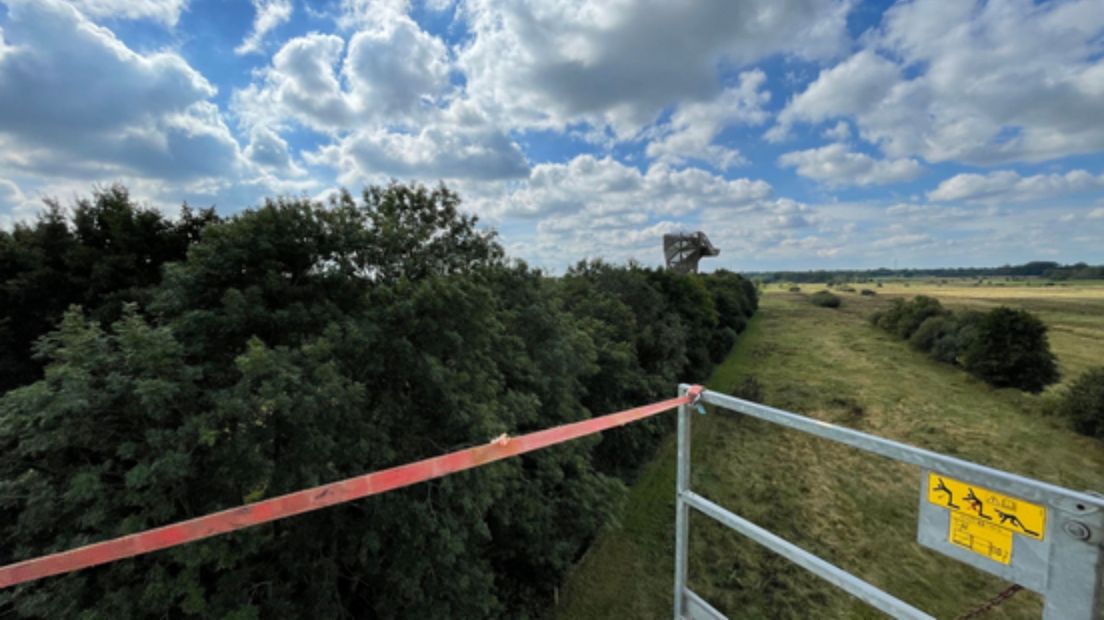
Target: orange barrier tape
[321, 496]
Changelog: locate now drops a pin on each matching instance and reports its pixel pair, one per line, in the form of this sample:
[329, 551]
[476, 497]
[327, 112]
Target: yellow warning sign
[988, 507]
[981, 536]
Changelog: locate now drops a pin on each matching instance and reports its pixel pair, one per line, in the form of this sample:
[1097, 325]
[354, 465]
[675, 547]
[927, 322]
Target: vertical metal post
[682, 510]
[1073, 590]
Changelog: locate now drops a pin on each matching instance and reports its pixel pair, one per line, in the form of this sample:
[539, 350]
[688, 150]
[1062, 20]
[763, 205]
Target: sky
[798, 134]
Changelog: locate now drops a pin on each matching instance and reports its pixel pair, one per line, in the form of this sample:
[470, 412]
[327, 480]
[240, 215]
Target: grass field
[1073, 312]
[858, 511]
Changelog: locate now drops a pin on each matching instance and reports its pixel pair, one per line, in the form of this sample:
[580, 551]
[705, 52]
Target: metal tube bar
[829, 572]
[698, 609]
[1026, 488]
[682, 513]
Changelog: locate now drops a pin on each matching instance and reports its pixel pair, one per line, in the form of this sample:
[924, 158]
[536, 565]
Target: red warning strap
[321, 496]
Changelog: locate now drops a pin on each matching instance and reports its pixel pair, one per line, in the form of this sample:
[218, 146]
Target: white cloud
[10, 195]
[455, 143]
[970, 82]
[1009, 186]
[837, 166]
[695, 125]
[856, 83]
[391, 66]
[301, 84]
[840, 133]
[899, 241]
[392, 72]
[164, 11]
[605, 186]
[75, 101]
[1097, 214]
[16, 206]
[553, 63]
[269, 15]
[269, 151]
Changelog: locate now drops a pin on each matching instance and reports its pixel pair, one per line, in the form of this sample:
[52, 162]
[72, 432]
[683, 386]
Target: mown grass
[853, 509]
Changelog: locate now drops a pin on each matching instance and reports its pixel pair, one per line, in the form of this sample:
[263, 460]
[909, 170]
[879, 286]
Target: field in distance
[855, 510]
[1073, 310]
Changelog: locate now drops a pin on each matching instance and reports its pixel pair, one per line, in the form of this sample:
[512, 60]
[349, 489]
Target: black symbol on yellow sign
[975, 503]
[942, 488]
[1014, 521]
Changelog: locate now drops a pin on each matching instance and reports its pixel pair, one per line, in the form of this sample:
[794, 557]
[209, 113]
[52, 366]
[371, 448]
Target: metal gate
[1043, 537]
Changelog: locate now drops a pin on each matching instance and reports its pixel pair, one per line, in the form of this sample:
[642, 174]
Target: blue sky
[806, 134]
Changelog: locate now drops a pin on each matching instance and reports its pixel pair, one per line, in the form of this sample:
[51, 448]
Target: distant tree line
[1004, 347]
[156, 370]
[1043, 269]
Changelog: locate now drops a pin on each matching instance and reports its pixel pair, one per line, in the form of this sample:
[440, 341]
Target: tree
[106, 252]
[1083, 404]
[1009, 348]
[299, 343]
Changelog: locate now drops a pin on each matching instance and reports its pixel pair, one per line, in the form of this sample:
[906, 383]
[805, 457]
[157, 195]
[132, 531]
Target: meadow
[856, 510]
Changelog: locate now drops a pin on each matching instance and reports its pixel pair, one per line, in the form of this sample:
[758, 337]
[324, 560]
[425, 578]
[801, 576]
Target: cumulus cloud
[836, 166]
[302, 84]
[392, 65]
[695, 125]
[456, 143]
[970, 82]
[605, 186]
[552, 63]
[269, 15]
[75, 100]
[391, 72]
[1009, 186]
[164, 11]
[269, 151]
[851, 86]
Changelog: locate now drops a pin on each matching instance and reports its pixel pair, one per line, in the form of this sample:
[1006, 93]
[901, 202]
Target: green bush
[930, 331]
[1083, 404]
[904, 317]
[868, 292]
[825, 299]
[1010, 349]
[795, 289]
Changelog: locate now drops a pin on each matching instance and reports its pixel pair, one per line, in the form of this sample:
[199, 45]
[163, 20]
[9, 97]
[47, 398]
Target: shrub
[1010, 349]
[931, 330]
[825, 299]
[845, 288]
[1084, 403]
[868, 292]
[904, 317]
[795, 289]
[876, 318]
[720, 343]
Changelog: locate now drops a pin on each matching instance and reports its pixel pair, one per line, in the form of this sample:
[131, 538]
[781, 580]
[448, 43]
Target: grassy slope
[858, 511]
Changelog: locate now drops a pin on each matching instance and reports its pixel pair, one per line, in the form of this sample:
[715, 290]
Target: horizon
[814, 135]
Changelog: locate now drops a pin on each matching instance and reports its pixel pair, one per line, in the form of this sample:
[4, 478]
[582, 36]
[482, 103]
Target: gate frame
[1074, 526]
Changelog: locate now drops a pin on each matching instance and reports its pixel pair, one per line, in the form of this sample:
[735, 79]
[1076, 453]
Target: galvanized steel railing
[1043, 537]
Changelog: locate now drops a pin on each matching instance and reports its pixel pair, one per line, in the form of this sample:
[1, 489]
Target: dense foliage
[1004, 347]
[1083, 404]
[109, 252]
[300, 343]
[825, 299]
